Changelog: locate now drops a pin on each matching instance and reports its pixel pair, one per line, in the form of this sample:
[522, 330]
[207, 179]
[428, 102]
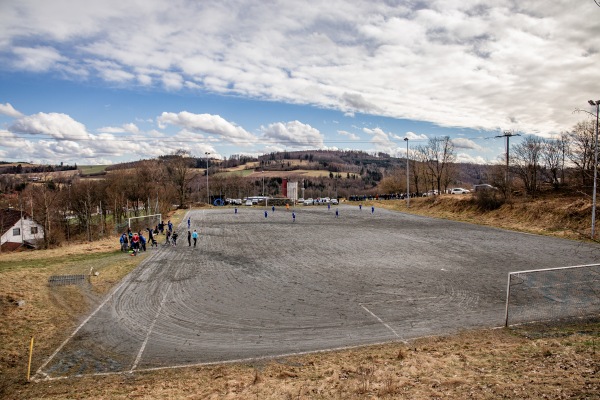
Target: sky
[111, 80]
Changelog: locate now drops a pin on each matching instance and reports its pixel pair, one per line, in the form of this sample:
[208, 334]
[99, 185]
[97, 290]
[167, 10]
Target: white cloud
[37, 59]
[470, 64]
[56, 125]
[467, 158]
[412, 136]
[380, 139]
[350, 135]
[294, 134]
[8, 109]
[212, 124]
[463, 143]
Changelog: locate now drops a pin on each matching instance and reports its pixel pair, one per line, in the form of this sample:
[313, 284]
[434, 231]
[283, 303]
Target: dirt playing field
[260, 287]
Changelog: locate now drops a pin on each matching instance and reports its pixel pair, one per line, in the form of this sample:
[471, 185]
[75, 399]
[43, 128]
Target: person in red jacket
[135, 244]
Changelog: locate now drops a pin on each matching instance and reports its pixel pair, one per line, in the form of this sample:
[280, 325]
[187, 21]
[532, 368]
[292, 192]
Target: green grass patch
[61, 262]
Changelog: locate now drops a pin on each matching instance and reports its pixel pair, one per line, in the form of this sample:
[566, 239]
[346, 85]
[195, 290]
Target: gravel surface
[261, 287]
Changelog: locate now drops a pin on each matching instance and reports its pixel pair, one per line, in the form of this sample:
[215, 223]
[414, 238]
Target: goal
[137, 224]
[552, 293]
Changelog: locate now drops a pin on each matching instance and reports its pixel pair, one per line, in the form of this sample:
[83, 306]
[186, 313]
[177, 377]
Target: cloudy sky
[112, 80]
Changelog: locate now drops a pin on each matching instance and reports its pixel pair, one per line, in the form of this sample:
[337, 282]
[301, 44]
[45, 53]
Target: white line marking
[384, 324]
[139, 355]
[109, 297]
[239, 360]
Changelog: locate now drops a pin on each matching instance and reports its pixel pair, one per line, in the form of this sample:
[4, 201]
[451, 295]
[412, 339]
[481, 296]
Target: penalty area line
[382, 322]
[139, 355]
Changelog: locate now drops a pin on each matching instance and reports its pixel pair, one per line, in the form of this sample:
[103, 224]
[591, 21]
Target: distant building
[18, 229]
[292, 191]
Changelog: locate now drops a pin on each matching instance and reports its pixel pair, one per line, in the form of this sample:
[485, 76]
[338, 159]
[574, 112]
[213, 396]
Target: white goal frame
[533, 271]
[143, 216]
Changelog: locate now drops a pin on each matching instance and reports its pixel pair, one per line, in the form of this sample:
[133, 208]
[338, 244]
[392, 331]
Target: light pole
[207, 191]
[597, 104]
[263, 179]
[407, 176]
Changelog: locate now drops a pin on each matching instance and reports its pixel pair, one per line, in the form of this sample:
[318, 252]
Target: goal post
[143, 222]
[552, 293]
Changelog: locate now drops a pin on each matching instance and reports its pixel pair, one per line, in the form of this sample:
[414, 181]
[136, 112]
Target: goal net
[137, 224]
[553, 293]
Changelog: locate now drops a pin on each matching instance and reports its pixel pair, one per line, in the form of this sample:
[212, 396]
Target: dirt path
[260, 287]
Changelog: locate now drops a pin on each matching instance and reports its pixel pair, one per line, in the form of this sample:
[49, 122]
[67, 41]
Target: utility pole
[507, 135]
[407, 177]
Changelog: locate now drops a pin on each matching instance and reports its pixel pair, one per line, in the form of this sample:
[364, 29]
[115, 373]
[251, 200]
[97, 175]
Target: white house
[18, 228]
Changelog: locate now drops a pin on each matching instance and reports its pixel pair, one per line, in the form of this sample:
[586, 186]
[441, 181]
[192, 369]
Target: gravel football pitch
[258, 287]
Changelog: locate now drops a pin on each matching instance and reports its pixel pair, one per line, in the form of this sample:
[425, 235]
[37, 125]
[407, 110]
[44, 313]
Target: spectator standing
[174, 236]
[195, 237]
[142, 242]
[124, 241]
[189, 238]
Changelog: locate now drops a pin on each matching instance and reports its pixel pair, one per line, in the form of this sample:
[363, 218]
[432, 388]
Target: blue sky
[109, 81]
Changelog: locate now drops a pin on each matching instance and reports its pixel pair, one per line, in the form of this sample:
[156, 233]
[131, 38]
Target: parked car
[309, 202]
[430, 193]
[248, 202]
[484, 186]
[334, 201]
[459, 191]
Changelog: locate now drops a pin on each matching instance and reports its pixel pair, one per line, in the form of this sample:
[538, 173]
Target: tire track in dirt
[257, 287]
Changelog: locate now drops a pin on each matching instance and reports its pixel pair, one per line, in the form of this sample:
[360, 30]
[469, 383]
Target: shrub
[488, 200]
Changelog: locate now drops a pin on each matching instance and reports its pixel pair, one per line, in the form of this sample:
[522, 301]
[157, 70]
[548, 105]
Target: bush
[488, 200]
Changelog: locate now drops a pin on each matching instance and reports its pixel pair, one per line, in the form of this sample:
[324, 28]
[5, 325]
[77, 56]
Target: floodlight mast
[407, 177]
[597, 105]
[207, 191]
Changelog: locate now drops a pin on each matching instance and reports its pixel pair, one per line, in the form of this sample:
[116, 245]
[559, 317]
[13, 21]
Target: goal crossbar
[144, 216]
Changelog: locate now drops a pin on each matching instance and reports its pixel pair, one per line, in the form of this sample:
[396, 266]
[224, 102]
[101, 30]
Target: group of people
[136, 242]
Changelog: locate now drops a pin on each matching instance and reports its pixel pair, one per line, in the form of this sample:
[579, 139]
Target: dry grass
[535, 362]
[567, 217]
[485, 364]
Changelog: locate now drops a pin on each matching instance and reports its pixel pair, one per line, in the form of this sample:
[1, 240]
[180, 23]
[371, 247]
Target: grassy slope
[542, 361]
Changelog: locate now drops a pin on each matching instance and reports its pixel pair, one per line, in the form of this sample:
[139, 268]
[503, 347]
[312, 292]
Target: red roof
[9, 217]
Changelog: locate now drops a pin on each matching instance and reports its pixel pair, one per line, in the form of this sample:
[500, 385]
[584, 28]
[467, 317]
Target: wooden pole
[29, 363]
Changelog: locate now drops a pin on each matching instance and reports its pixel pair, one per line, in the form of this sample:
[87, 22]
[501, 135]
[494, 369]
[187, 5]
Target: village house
[18, 229]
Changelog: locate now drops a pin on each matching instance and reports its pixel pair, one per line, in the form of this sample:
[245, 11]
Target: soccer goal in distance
[552, 294]
[137, 224]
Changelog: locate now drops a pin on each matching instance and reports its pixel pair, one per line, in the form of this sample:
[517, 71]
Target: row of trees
[431, 167]
[533, 162]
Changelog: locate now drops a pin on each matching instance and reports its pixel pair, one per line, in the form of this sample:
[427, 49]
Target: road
[261, 287]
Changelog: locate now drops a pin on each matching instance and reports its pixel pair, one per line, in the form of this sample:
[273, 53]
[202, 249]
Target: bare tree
[581, 150]
[178, 170]
[394, 182]
[439, 153]
[552, 155]
[45, 198]
[525, 158]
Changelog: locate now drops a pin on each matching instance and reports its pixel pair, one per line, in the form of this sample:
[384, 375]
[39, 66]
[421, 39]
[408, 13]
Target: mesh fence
[550, 294]
[140, 224]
